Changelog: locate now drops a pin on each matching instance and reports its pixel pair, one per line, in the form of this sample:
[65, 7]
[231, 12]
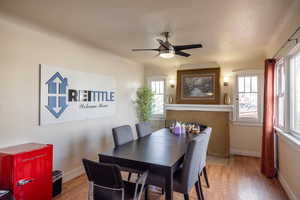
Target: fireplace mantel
[200, 107]
[215, 116]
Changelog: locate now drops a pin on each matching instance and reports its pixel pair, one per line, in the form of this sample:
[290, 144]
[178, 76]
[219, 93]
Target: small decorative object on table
[176, 128]
[179, 128]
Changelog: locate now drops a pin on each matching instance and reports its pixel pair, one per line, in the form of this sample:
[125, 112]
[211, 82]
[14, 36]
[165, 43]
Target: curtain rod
[288, 40]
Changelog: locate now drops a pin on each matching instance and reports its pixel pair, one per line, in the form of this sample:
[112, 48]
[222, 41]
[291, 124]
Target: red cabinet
[26, 170]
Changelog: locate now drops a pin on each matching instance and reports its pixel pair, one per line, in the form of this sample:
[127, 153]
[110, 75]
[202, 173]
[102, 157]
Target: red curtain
[267, 161]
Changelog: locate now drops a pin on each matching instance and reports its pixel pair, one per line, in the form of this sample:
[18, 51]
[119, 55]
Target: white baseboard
[73, 174]
[286, 187]
[245, 153]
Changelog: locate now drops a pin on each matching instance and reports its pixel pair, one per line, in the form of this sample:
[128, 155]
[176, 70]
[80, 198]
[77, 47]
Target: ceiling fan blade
[162, 43]
[181, 53]
[145, 49]
[185, 47]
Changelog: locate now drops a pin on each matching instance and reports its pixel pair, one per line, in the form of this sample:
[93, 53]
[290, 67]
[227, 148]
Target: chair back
[193, 159]
[143, 129]
[105, 180]
[122, 135]
[207, 132]
[103, 174]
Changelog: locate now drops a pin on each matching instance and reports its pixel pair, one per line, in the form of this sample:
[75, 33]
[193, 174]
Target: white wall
[289, 165]
[23, 48]
[244, 140]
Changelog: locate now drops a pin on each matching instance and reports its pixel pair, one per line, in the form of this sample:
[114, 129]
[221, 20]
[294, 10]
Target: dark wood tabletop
[161, 152]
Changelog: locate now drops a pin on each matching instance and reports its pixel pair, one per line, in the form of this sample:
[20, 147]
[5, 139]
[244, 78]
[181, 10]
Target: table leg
[169, 184]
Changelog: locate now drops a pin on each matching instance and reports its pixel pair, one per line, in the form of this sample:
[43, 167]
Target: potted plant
[145, 99]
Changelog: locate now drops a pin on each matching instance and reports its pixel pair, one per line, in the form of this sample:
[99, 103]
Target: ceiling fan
[167, 50]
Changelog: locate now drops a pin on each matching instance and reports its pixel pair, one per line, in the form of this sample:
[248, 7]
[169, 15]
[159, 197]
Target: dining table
[161, 152]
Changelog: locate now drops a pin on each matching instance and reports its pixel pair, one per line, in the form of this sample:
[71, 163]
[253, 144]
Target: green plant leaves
[145, 99]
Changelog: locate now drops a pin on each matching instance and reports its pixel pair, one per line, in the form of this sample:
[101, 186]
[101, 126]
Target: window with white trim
[248, 98]
[157, 86]
[288, 93]
[295, 93]
[280, 93]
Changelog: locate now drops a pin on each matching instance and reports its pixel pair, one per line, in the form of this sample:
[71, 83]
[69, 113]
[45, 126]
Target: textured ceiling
[230, 30]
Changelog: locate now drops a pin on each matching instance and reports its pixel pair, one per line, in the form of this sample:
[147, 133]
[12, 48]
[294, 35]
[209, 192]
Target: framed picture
[198, 86]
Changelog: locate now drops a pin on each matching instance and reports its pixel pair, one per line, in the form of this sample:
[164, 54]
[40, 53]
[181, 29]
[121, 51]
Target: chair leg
[146, 192]
[186, 197]
[199, 178]
[205, 176]
[200, 188]
[129, 176]
[91, 191]
[198, 191]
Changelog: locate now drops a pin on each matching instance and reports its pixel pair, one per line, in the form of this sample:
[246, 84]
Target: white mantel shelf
[200, 107]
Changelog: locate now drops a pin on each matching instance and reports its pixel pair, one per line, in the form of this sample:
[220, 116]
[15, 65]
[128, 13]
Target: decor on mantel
[170, 99]
[198, 86]
[226, 99]
[144, 103]
[200, 107]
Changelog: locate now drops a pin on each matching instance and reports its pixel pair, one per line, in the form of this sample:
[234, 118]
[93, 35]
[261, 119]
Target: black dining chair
[123, 135]
[143, 129]
[105, 182]
[186, 177]
[203, 170]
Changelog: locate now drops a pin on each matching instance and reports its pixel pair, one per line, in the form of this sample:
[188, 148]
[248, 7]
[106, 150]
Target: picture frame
[198, 86]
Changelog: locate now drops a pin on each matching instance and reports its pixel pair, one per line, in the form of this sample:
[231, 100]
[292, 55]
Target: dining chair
[186, 177]
[143, 129]
[123, 135]
[105, 182]
[203, 170]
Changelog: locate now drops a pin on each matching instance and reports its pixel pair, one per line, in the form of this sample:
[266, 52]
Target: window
[288, 93]
[248, 97]
[157, 86]
[295, 93]
[280, 93]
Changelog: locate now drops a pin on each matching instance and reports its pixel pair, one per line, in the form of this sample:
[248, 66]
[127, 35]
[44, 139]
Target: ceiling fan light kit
[168, 53]
[167, 50]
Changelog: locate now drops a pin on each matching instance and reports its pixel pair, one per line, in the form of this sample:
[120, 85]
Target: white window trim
[291, 139]
[285, 62]
[159, 78]
[260, 86]
[286, 132]
[288, 125]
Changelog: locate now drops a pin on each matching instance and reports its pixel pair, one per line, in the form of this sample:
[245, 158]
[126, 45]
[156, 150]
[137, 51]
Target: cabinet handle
[24, 182]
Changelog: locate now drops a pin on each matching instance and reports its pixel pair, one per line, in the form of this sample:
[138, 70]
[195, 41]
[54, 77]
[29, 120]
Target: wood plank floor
[239, 179]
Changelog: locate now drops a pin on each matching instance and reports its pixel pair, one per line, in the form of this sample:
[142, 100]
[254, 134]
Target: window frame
[260, 88]
[294, 53]
[164, 79]
[288, 104]
[283, 62]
